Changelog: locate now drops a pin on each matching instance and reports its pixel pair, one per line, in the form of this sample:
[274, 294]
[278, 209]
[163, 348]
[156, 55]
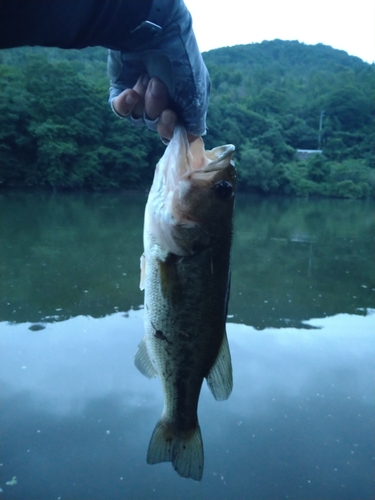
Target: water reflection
[298, 259]
[64, 255]
[77, 416]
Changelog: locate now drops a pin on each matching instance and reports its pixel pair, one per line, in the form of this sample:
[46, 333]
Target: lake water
[77, 416]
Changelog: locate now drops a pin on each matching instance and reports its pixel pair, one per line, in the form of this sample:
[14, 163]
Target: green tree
[351, 107]
[318, 169]
[257, 170]
[16, 145]
[57, 130]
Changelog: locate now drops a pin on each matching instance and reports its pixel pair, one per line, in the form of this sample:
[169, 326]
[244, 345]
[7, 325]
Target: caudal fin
[184, 451]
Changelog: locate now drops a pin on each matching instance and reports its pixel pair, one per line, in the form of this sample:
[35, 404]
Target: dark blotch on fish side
[160, 335]
[36, 327]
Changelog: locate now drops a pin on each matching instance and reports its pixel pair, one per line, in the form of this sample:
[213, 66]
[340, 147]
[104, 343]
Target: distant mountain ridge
[292, 53]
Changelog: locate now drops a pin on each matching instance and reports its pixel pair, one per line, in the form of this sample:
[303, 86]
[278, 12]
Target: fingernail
[130, 100]
[168, 118]
[158, 89]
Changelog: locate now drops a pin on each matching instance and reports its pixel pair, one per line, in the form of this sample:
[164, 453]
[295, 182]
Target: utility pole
[320, 128]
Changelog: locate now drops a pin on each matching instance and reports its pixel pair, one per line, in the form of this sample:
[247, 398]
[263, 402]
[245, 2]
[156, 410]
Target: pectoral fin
[143, 362]
[219, 379]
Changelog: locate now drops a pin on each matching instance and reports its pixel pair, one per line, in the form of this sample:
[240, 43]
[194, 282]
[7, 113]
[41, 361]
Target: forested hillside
[268, 99]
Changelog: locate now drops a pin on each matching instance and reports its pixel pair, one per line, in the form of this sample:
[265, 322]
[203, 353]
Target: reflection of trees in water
[70, 254]
[65, 255]
[298, 259]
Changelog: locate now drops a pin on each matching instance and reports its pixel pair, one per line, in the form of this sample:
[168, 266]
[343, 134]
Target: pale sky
[346, 24]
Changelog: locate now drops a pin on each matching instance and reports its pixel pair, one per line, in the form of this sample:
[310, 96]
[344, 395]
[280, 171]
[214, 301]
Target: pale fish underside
[185, 272]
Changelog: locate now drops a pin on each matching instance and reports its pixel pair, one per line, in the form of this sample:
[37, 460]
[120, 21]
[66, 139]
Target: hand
[162, 81]
[149, 96]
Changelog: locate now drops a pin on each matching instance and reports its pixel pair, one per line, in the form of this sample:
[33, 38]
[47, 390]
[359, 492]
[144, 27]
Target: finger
[167, 123]
[140, 88]
[131, 101]
[156, 98]
[125, 102]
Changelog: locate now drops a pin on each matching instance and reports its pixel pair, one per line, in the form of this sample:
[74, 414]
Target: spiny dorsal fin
[143, 362]
[219, 379]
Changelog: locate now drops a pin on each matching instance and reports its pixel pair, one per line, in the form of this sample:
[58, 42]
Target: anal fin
[220, 378]
[143, 362]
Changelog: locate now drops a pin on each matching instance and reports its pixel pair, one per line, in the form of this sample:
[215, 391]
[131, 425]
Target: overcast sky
[346, 24]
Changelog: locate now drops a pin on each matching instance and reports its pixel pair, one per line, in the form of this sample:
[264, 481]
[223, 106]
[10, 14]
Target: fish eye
[223, 189]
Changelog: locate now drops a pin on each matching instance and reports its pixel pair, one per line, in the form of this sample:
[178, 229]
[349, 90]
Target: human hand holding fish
[149, 97]
[185, 272]
[159, 77]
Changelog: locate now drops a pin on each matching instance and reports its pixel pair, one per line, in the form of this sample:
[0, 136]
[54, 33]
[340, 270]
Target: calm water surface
[76, 416]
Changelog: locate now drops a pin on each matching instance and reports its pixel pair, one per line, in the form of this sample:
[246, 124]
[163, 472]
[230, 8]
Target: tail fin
[185, 452]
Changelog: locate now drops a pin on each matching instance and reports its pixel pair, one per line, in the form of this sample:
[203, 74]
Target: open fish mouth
[217, 158]
[182, 159]
[191, 188]
[193, 157]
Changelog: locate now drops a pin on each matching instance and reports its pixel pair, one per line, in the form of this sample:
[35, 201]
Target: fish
[185, 275]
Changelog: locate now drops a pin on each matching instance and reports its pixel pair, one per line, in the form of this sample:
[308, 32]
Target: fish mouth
[218, 158]
[189, 187]
[183, 162]
[198, 159]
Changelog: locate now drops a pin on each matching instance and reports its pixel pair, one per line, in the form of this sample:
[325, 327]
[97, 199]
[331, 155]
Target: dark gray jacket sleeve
[170, 53]
[70, 24]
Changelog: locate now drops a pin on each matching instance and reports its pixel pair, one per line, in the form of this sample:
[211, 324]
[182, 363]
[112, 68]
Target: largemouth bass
[185, 272]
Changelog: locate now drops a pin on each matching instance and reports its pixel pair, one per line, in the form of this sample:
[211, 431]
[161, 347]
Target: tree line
[269, 99]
